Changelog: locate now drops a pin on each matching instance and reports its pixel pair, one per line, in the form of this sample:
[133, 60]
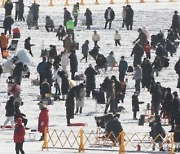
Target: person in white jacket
[57, 80]
[64, 61]
[80, 96]
[117, 38]
[96, 38]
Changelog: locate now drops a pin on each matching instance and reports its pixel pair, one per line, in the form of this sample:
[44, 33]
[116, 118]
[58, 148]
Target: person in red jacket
[43, 120]
[19, 133]
[147, 50]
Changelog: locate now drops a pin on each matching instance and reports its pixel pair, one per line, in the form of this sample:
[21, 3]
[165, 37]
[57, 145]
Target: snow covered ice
[155, 16]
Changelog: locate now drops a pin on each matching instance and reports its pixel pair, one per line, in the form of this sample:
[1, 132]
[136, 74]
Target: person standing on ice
[96, 38]
[27, 45]
[129, 17]
[137, 77]
[88, 15]
[10, 111]
[43, 122]
[117, 38]
[67, 16]
[75, 13]
[109, 16]
[90, 73]
[176, 23]
[19, 133]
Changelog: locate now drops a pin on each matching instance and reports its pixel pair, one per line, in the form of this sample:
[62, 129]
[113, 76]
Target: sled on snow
[13, 45]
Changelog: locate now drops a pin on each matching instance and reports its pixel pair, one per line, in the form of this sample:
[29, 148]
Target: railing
[97, 140]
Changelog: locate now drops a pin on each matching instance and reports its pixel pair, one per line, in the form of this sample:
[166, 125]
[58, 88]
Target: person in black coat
[88, 15]
[85, 50]
[60, 32]
[177, 69]
[21, 11]
[177, 137]
[176, 23]
[64, 84]
[41, 69]
[73, 63]
[19, 114]
[109, 16]
[1, 70]
[101, 62]
[17, 73]
[157, 94]
[10, 111]
[135, 105]
[90, 73]
[67, 16]
[8, 7]
[157, 129]
[52, 53]
[8, 21]
[175, 112]
[70, 104]
[146, 73]
[45, 89]
[129, 17]
[27, 45]
[138, 52]
[115, 128]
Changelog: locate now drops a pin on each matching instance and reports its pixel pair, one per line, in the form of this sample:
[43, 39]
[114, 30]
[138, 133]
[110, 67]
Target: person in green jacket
[70, 27]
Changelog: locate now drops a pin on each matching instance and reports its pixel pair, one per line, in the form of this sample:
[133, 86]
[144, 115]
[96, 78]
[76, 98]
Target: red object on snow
[16, 30]
[78, 124]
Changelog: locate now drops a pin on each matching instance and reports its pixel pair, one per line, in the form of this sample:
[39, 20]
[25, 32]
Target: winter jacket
[157, 129]
[65, 59]
[43, 121]
[3, 41]
[135, 103]
[49, 22]
[138, 52]
[10, 108]
[29, 19]
[27, 44]
[56, 77]
[80, 96]
[70, 25]
[117, 36]
[73, 62]
[95, 37]
[70, 103]
[67, 16]
[8, 21]
[88, 15]
[90, 78]
[123, 66]
[35, 11]
[65, 82]
[8, 7]
[129, 16]
[137, 73]
[41, 68]
[75, 11]
[18, 69]
[67, 43]
[109, 14]
[111, 61]
[176, 22]
[19, 132]
[85, 49]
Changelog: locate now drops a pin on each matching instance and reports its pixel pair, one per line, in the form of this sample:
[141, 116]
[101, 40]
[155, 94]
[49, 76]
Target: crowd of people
[53, 72]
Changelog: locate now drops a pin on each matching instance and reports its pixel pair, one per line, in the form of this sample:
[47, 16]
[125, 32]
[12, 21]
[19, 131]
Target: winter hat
[19, 121]
[175, 93]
